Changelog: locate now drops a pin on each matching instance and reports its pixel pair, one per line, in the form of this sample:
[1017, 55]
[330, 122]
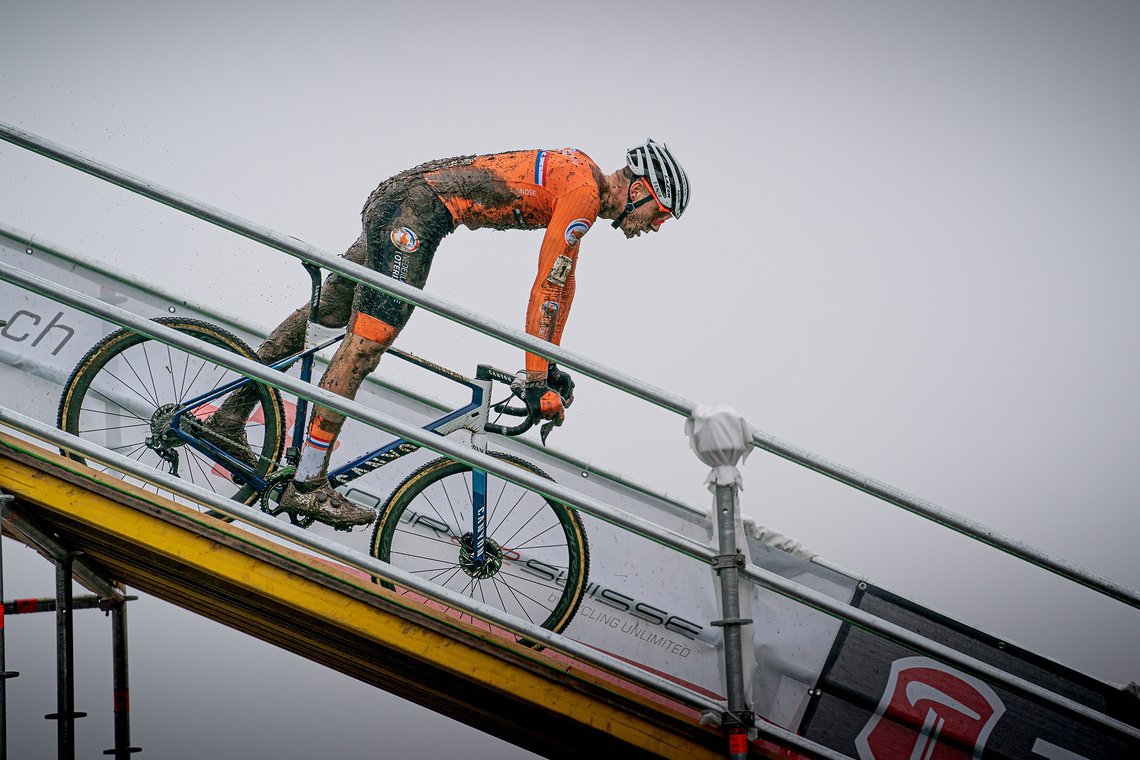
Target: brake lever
[545, 430]
[517, 389]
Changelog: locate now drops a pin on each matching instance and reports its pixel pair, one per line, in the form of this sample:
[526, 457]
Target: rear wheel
[537, 557]
[122, 396]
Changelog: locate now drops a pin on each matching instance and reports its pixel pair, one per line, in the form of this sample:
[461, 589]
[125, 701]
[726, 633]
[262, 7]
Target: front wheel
[536, 554]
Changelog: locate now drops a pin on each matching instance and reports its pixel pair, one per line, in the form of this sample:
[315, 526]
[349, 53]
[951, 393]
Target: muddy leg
[354, 359]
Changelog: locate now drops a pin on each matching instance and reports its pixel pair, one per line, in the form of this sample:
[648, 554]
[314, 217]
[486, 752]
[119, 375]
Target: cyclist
[404, 220]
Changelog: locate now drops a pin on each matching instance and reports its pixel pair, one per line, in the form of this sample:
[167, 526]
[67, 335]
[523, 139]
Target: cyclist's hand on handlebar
[543, 402]
[561, 381]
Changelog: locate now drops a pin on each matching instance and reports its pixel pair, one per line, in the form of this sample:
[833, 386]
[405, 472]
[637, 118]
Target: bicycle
[460, 527]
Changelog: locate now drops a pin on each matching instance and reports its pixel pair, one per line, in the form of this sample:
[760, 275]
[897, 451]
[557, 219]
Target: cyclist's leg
[310, 493]
[403, 228]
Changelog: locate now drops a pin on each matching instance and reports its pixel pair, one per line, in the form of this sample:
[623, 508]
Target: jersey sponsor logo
[549, 317]
[540, 168]
[560, 271]
[931, 712]
[575, 230]
[405, 239]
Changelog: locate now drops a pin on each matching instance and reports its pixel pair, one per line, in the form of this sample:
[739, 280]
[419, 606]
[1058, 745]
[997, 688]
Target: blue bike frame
[473, 417]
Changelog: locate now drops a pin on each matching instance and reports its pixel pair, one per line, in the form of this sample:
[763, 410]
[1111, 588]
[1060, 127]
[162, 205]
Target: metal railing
[596, 370]
[583, 502]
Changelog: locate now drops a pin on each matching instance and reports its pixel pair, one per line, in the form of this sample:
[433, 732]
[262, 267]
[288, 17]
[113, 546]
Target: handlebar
[487, 372]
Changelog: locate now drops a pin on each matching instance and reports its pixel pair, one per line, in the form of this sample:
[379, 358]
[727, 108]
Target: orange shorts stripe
[368, 326]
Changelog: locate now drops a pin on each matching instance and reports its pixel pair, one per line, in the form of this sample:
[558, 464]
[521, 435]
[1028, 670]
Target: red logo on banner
[929, 712]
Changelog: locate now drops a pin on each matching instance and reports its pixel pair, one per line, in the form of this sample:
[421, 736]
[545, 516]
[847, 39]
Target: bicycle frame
[474, 417]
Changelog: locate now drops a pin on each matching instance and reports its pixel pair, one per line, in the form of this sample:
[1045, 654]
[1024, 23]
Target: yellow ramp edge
[328, 614]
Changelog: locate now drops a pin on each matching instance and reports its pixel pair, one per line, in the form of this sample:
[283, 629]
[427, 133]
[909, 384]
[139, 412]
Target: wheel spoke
[151, 400]
[427, 538]
[510, 512]
[522, 606]
[452, 506]
[454, 531]
[117, 427]
[201, 367]
[526, 544]
[136, 444]
[153, 384]
[128, 416]
[438, 570]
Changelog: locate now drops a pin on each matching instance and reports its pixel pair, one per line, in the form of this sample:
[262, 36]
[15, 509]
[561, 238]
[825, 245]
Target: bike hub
[492, 558]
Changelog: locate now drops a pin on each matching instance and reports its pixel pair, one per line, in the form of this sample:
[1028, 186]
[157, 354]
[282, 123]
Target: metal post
[5, 674]
[739, 718]
[65, 659]
[123, 748]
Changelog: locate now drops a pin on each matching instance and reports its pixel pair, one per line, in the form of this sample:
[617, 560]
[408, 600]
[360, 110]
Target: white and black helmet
[654, 162]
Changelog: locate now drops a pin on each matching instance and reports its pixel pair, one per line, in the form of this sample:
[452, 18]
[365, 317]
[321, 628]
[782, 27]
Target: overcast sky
[913, 248]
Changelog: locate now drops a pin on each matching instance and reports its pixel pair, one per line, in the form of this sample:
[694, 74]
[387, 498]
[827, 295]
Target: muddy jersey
[524, 190]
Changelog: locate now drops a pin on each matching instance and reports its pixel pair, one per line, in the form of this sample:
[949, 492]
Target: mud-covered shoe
[227, 432]
[319, 500]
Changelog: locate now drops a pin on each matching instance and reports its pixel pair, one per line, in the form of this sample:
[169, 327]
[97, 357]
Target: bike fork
[478, 516]
[479, 477]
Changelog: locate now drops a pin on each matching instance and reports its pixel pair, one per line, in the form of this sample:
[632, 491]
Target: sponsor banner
[791, 641]
[41, 340]
[876, 700]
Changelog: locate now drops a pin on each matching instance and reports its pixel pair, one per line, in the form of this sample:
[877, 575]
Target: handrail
[596, 370]
[583, 502]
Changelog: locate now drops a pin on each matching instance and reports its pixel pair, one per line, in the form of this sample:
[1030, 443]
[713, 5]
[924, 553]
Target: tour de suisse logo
[930, 712]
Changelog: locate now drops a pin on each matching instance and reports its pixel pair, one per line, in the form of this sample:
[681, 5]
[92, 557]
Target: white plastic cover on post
[720, 437]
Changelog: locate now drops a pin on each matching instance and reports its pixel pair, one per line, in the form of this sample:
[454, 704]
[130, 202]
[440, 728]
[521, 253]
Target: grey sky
[912, 248]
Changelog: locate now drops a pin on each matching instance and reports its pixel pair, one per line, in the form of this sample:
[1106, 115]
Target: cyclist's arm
[553, 289]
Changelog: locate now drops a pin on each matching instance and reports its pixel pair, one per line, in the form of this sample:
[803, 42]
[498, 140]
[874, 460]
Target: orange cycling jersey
[555, 189]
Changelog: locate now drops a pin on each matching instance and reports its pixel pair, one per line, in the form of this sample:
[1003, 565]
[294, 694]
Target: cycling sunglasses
[660, 206]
